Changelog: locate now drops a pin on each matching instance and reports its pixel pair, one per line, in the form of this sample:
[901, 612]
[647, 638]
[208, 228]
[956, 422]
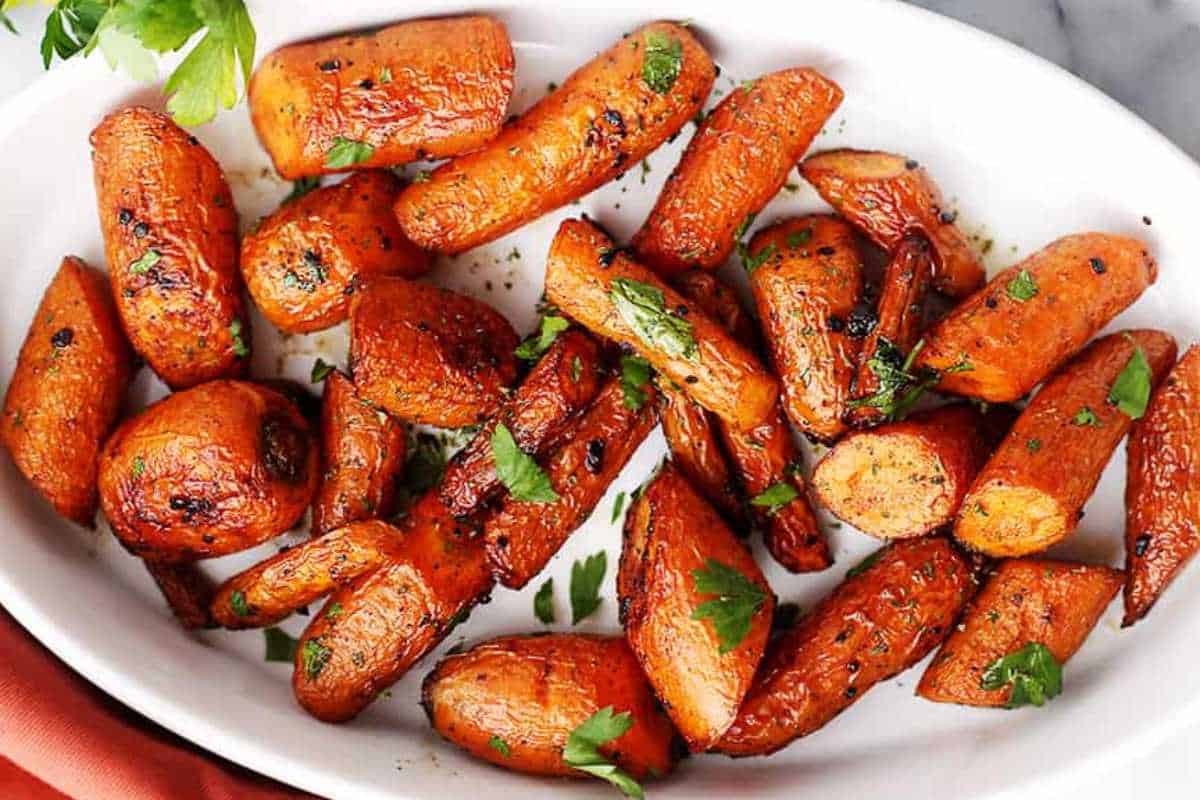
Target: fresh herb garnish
[280, 646]
[139, 467]
[499, 745]
[618, 507]
[130, 32]
[237, 602]
[775, 497]
[643, 307]
[301, 188]
[755, 260]
[1033, 445]
[321, 370]
[239, 346]
[899, 387]
[799, 238]
[334, 611]
[738, 600]
[635, 374]
[313, 657]
[586, 577]
[347, 153]
[543, 602]
[1033, 672]
[865, 564]
[662, 58]
[533, 347]
[583, 749]
[517, 470]
[1085, 417]
[1130, 392]
[145, 263]
[1023, 287]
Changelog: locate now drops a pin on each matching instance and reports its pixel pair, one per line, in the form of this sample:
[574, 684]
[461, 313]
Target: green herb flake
[797, 239]
[321, 370]
[280, 646]
[756, 260]
[347, 152]
[1033, 673]
[145, 263]
[775, 497]
[865, 564]
[237, 602]
[662, 60]
[576, 369]
[583, 749]
[1086, 418]
[517, 470]
[138, 468]
[643, 308]
[499, 745]
[618, 507]
[543, 602]
[313, 658]
[738, 600]
[302, 187]
[1023, 287]
[1130, 392]
[900, 388]
[334, 611]
[385, 75]
[239, 346]
[1033, 445]
[635, 374]
[586, 577]
[533, 347]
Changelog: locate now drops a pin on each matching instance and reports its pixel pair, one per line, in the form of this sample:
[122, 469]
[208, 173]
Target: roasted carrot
[737, 161]
[618, 298]
[898, 321]
[524, 534]
[427, 88]
[696, 450]
[809, 281]
[303, 263]
[272, 589]
[679, 556]
[1162, 490]
[515, 702]
[170, 238]
[429, 355]
[1029, 494]
[886, 617]
[372, 631]
[909, 478]
[363, 452]
[541, 410]
[187, 590]
[1026, 601]
[887, 196]
[67, 389]
[1032, 317]
[604, 119]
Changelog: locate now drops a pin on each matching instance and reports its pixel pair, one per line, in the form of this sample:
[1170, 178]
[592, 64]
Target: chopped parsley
[145, 263]
[536, 344]
[1023, 287]
[899, 387]
[1130, 392]
[138, 467]
[635, 374]
[517, 470]
[643, 308]
[347, 152]
[280, 646]
[865, 564]
[321, 370]
[775, 497]
[499, 745]
[583, 749]
[586, 577]
[662, 60]
[301, 188]
[543, 602]
[618, 507]
[755, 260]
[239, 345]
[1033, 673]
[313, 658]
[797, 239]
[738, 600]
[1085, 417]
[237, 602]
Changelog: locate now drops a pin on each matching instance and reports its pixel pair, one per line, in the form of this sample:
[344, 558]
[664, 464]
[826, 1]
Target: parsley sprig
[517, 470]
[1130, 392]
[1033, 672]
[644, 309]
[132, 33]
[586, 577]
[583, 749]
[738, 600]
[538, 343]
[900, 386]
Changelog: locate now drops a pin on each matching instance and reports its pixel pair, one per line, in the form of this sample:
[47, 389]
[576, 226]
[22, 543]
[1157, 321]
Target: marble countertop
[1143, 53]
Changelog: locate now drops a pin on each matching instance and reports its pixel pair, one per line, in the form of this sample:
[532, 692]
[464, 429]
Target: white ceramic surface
[1027, 154]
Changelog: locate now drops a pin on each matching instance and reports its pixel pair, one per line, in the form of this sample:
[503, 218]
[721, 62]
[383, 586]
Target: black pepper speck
[62, 338]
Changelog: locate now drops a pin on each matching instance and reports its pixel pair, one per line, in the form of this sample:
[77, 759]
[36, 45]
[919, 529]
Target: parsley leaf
[661, 61]
[865, 564]
[280, 646]
[643, 307]
[586, 577]
[139, 467]
[1023, 287]
[347, 152]
[799, 238]
[635, 374]
[499, 745]
[301, 188]
[517, 470]
[1085, 417]
[145, 263]
[776, 496]
[1033, 672]
[321, 370]
[69, 28]
[899, 387]
[532, 348]
[543, 602]
[237, 602]
[756, 260]
[583, 749]
[1130, 392]
[313, 657]
[738, 600]
[208, 75]
[239, 345]
[618, 507]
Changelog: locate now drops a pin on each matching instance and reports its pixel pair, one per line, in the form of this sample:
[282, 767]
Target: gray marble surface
[1143, 53]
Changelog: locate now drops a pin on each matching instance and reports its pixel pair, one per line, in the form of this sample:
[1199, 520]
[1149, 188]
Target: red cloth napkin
[60, 737]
